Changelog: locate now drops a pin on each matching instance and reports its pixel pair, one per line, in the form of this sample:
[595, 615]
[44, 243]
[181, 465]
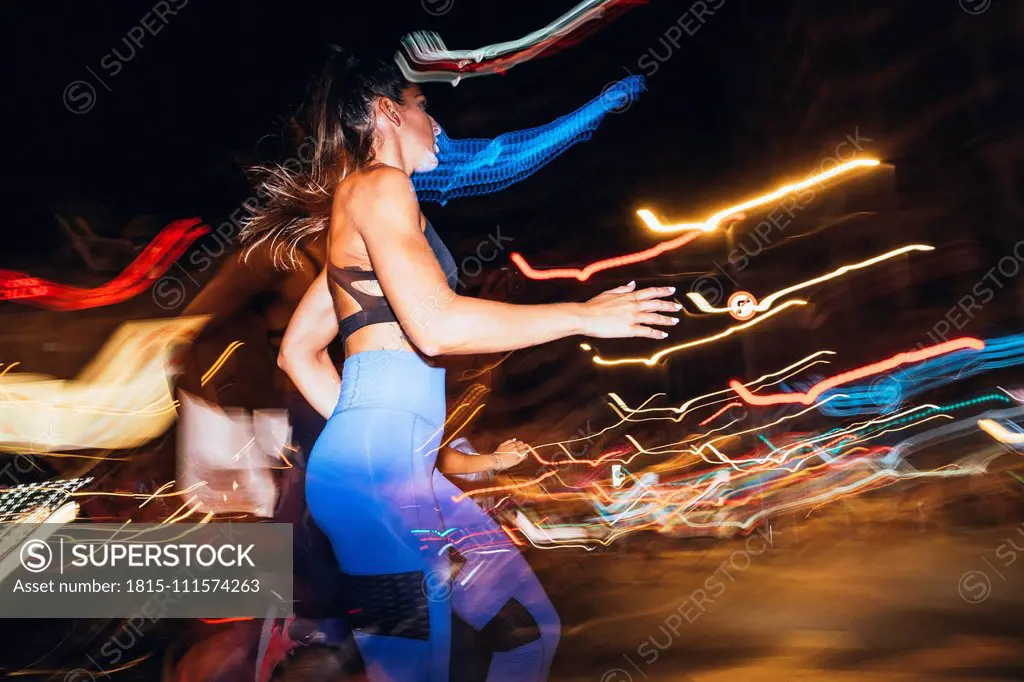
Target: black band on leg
[392, 604]
[512, 627]
[470, 657]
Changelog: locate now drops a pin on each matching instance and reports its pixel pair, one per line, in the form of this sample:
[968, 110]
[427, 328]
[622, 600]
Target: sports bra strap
[375, 309]
[362, 318]
[344, 277]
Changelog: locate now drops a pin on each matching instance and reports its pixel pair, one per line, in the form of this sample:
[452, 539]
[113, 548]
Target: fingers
[647, 332]
[624, 289]
[522, 450]
[514, 446]
[515, 450]
[657, 304]
[654, 318]
[653, 292]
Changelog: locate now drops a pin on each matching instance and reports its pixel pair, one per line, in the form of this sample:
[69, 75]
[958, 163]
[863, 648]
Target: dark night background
[759, 90]
[762, 92]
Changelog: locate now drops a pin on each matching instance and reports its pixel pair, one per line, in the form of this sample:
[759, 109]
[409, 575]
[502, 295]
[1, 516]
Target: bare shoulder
[383, 194]
[382, 183]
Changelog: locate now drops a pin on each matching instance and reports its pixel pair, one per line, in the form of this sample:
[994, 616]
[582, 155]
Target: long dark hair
[338, 119]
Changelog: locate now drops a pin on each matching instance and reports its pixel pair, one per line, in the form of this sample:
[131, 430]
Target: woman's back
[366, 319]
[354, 288]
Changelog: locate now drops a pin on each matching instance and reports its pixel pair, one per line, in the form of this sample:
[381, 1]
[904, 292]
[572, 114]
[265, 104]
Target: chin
[428, 163]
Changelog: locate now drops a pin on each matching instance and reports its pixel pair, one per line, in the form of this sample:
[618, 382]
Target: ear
[387, 108]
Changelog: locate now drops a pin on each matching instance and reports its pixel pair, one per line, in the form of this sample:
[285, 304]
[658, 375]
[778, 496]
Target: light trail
[433, 61]
[766, 303]
[714, 221]
[811, 395]
[583, 274]
[1000, 432]
[653, 359]
[149, 266]
[689, 405]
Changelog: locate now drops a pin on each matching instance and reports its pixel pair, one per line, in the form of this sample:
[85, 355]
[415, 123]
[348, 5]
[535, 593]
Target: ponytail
[297, 201]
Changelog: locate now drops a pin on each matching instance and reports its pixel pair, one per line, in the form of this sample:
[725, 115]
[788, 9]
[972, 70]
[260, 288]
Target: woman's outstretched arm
[303, 354]
[439, 321]
[510, 453]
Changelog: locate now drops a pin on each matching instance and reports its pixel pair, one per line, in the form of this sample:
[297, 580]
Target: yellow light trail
[120, 400]
[1000, 432]
[653, 359]
[144, 496]
[500, 488]
[464, 424]
[794, 368]
[766, 303]
[712, 223]
[473, 394]
[219, 362]
[470, 374]
[685, 408]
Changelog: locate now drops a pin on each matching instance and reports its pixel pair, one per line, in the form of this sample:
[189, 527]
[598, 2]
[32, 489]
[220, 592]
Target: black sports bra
[375, 309]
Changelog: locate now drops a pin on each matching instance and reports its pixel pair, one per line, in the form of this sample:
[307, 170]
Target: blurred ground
[836, 598]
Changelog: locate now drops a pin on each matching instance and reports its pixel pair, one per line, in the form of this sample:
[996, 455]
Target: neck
[390, 153]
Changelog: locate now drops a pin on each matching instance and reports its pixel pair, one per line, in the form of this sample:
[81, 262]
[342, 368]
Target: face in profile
[419, 130]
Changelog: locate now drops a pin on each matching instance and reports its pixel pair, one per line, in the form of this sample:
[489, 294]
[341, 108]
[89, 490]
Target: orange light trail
[692, 230]
[464, 424]
[711, 418]
[35, 672]
[219, 362]
[618, 261]
[714, 221]
[470, 374]
[140, 496]
[218, 621]
[691, 405]
[853, 375]
[511, 535]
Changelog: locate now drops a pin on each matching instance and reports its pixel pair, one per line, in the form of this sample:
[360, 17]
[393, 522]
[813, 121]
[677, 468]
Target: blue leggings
[419, 568]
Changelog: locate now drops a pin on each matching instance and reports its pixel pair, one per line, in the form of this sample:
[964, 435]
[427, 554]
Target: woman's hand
[510, 453]
[625, 312]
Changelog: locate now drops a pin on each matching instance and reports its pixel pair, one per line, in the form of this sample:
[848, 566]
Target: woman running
[403, 542]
